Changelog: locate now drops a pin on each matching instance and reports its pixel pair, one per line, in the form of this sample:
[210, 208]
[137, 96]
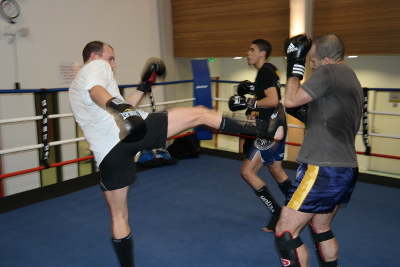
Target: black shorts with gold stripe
[320, 189]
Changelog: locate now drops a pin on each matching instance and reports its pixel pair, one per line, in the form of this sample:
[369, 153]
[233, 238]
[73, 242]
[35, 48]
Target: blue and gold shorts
[275, 153]
[321, 189]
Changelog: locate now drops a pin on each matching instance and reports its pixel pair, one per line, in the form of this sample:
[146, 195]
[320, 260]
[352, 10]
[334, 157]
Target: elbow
[276, 103]
[288, 104]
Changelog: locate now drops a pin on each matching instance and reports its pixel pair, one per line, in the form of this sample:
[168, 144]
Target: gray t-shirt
[333, 118]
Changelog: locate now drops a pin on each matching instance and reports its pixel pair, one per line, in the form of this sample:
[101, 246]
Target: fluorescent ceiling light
[352, 56]
[237, 57]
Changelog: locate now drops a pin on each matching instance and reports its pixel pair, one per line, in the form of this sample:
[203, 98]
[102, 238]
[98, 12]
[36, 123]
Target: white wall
[58, 34]
[380, 72]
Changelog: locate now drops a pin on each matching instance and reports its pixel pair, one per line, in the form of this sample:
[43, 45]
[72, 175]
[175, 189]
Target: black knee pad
[318, 238]
[286, 247]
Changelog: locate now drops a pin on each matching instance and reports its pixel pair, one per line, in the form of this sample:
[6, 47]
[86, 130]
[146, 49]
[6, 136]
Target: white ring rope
[296, 126]
[169, 102]
[19, 149]
[35, 118]
[220, 99]
[384, 113]
[70, 114]
[383, 135]
[24, 148]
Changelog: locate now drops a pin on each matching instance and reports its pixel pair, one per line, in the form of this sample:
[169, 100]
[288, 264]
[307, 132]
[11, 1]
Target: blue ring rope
[14, 91]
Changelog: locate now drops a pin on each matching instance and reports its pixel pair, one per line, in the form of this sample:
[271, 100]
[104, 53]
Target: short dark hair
[94, 46]
[329, 45]
[263, 45]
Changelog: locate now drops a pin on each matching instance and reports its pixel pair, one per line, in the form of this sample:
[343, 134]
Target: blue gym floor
[197, 213]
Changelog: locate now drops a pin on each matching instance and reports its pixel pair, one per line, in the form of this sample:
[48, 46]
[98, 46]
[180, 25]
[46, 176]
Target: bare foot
[270, 227]
[266, 229]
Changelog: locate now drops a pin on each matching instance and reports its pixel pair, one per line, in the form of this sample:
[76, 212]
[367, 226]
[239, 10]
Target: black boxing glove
[238, 102]
[131, 125]
[153, 67]
[296, 49]
[246, 87]
[299, 113]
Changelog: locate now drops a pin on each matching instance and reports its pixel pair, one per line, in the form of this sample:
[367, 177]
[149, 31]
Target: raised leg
[182, 118]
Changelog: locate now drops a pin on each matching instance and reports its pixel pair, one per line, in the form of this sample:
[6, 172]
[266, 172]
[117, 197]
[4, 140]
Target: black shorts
[117, 170]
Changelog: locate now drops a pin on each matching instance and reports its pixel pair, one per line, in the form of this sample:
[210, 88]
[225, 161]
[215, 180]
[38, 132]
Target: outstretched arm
[135, 97]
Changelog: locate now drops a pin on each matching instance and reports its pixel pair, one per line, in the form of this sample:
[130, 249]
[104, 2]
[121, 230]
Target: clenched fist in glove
[238, 102]
[296, 49]
[153, 67]
[299, 113]
[246, 87]
[131, 125]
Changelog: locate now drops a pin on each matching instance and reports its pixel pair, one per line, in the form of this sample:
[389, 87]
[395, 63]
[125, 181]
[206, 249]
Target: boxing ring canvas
[197, 213]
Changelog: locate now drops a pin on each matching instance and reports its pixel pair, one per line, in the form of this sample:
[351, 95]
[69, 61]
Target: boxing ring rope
[19, 149]
[2, 176]
[55, 116]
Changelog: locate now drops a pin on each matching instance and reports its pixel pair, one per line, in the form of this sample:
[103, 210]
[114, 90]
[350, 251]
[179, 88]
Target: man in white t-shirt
[116, 131]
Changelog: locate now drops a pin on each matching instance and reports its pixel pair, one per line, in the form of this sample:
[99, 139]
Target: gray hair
[329, 45]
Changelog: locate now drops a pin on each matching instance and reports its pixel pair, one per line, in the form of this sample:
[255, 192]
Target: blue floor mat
[197, 213]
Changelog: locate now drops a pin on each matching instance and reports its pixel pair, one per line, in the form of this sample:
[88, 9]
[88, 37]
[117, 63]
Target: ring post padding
[365, 122]
[202, 93]
[46, 147]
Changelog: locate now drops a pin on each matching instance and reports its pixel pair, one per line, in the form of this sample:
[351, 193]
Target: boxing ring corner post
[1, 182]
[202, 93]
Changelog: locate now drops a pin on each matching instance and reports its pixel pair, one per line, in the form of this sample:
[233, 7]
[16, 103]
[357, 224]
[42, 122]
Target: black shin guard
[124, 249]
[232, 126]
[316, 239]
[263, 128]
[286, 247]
[265, 195]
[285, 186]
[273, 222]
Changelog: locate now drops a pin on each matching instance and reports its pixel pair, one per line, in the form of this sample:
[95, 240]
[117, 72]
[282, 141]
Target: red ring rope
[43, 167]
[2, 176]
[6, 175]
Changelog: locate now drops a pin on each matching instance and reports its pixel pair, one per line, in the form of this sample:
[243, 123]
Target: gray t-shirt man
[333, 117]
